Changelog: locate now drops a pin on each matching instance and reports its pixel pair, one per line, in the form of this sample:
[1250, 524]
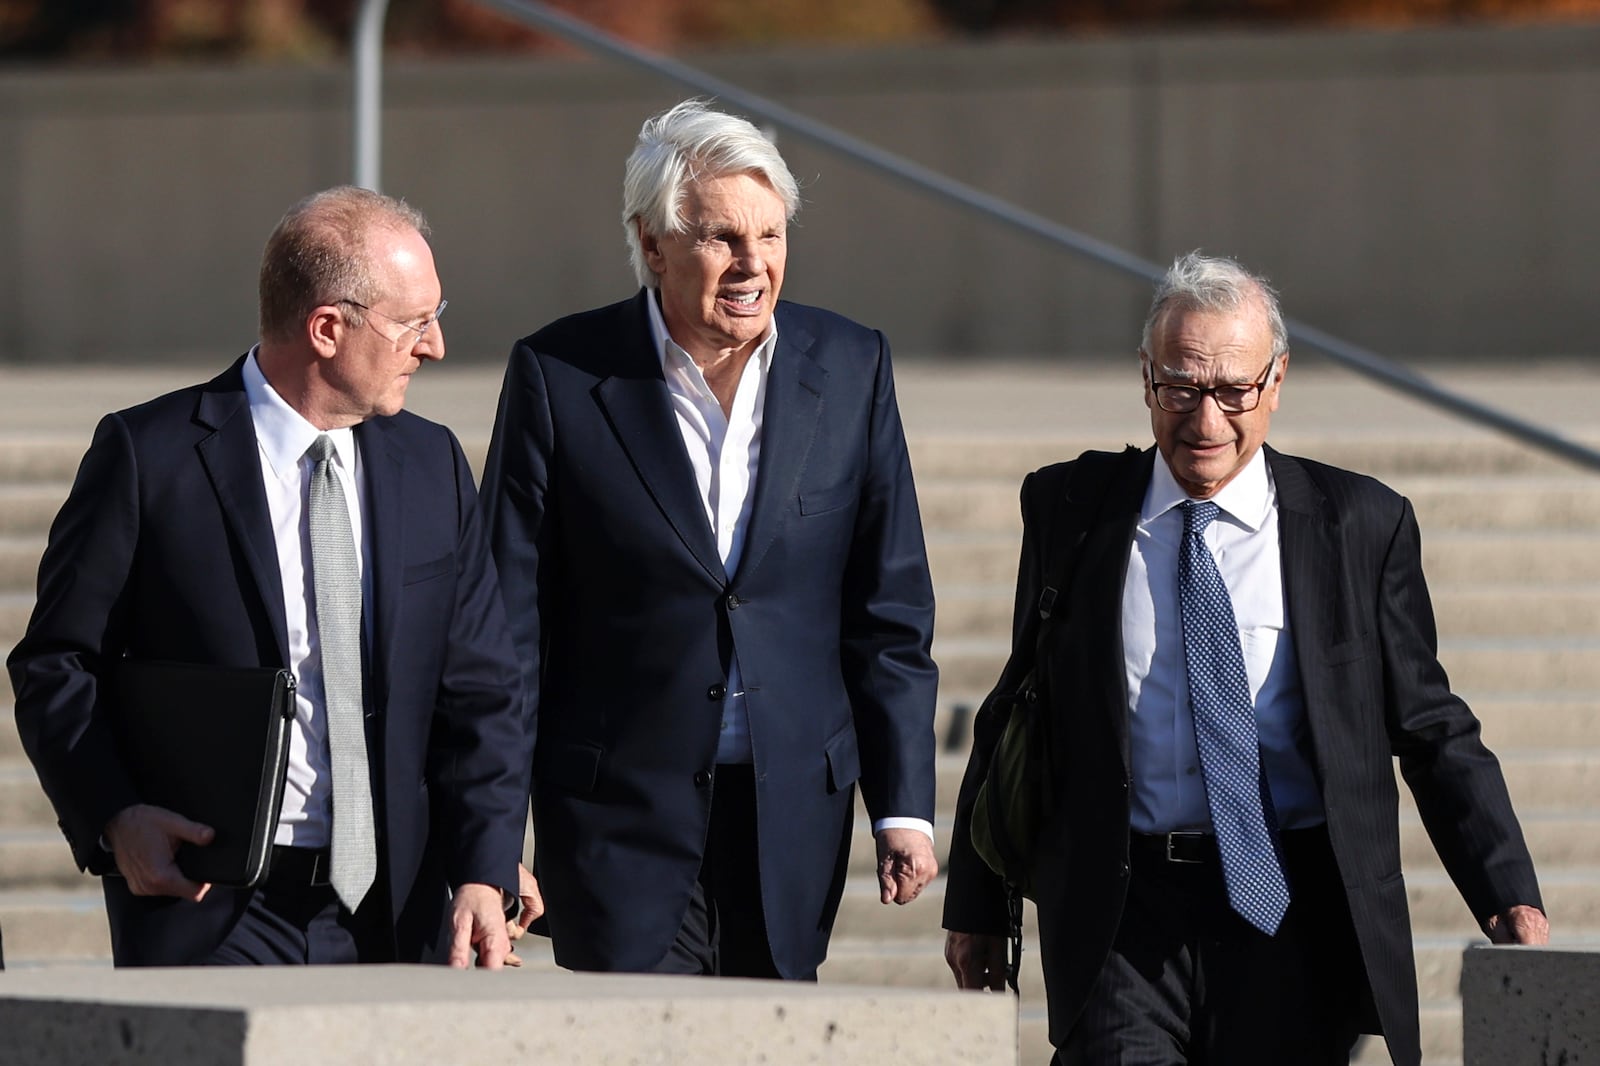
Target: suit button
[733, 602]
[717, 691]
[1124, 870]
[702, 778]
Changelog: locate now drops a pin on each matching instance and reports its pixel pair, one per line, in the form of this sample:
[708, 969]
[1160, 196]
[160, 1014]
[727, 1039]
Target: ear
[325, 328]
[1277, 381]
[1144, 375]
[651, 246]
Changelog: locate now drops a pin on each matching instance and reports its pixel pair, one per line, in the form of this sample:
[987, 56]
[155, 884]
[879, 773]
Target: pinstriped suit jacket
[1374, 691]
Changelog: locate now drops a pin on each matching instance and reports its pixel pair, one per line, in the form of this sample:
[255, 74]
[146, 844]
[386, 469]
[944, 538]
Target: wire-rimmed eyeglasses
[1233, 399]
[414, 334]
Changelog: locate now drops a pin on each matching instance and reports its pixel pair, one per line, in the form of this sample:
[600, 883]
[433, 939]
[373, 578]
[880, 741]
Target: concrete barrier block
[404, 1015]
[1530, 1005]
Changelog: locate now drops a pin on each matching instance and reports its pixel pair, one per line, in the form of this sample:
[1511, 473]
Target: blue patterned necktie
[1225, 730]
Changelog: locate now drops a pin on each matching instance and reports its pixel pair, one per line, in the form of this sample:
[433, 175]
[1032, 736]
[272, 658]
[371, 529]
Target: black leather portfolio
[212, 744]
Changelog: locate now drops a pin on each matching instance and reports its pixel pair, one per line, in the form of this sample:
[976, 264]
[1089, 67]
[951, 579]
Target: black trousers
[724, 932]
[1190, 983]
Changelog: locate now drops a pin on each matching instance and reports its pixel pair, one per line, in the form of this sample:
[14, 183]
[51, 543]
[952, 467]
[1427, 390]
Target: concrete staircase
[1509, 546]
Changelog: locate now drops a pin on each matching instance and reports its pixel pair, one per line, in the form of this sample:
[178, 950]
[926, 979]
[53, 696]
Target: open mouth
[747, 300]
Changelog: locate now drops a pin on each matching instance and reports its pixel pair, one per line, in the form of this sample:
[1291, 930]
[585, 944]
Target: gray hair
[1198, 282]
[318, 255]
[688, 143]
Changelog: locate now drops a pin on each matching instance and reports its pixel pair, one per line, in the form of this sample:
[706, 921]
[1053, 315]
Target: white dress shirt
[1168, 787]
[282, 437]
[725, 452]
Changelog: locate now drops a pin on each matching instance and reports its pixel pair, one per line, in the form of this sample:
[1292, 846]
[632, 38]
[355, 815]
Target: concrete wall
[1423, 193]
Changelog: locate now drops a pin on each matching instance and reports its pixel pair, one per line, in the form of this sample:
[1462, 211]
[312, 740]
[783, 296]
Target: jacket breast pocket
[829, 499]
[415, 575]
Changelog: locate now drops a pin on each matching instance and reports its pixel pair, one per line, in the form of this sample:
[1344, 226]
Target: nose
[747, 258]
[431, 344]
[1209, 414]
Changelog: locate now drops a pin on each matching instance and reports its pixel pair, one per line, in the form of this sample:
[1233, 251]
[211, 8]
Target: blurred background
[1416, 176]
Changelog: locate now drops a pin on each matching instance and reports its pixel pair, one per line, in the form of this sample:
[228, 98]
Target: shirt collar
[672, 356]
[1246, 499]
[282, 434]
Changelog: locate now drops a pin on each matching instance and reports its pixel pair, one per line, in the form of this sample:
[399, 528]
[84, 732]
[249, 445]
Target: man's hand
[905, 864]
[1518, 925]
[977, 959]
[144, 840]
[532, 907]
[477, 920]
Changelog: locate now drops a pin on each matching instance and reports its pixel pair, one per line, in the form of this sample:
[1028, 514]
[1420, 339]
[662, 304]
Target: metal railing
[1362, 360]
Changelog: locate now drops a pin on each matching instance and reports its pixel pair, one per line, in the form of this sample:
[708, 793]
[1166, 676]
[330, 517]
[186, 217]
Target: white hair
[688, 143]
[1199, 282]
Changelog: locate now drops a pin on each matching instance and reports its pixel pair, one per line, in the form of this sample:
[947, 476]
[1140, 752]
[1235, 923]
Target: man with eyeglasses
[289, 513]
[1243, 647]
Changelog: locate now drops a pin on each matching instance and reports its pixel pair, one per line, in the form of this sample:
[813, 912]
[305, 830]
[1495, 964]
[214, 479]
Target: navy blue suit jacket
[625, 620]
[164, 550]
[1374, 692]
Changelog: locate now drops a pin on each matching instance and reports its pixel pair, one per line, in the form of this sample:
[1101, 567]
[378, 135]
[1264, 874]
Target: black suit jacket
[625, 621]
[164, 550]
[1364, 640]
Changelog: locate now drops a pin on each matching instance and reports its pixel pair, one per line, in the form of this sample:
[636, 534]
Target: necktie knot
[321, 450]
[1197, 515]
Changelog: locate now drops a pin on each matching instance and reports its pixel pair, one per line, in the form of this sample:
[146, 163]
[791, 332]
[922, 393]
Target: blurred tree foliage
[294, 30]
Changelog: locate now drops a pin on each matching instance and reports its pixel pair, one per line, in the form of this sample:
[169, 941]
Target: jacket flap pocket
[844, 760]
[830, 499]
[574, 766]
[445, 564]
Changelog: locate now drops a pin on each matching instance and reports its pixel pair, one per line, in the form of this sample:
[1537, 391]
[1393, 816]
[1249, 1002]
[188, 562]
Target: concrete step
[28, 507]
[1569, 609]
[22, 802]
[1571, 895]
[42, 458]
[1485, 664]
[19, 563]
[1522, 503]
[974, 561]
[948, 455]
[37, 858]
[55, 926]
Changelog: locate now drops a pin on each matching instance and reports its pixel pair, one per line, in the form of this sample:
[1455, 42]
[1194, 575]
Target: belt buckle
[1172, 856]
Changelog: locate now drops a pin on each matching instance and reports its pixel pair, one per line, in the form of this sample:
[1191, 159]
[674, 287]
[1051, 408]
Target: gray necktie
[337, 581]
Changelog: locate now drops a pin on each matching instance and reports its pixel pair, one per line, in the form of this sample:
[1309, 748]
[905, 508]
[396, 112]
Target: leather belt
[1190, 848]
[298, 867]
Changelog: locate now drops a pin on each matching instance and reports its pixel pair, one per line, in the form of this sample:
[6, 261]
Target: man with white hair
[701, 504]
[1239, 650]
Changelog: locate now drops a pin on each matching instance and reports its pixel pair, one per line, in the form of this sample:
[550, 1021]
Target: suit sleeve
[480, 751]
[886, 629]
[1459, 788]
[516, 481]
[75, 630]
[975, 896]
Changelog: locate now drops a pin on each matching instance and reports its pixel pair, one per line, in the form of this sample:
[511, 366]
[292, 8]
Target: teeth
[744, 297]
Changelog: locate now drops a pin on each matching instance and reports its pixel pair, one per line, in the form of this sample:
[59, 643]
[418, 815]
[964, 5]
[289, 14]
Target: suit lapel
[634, 398]
[789, 418]
[384, 483]
[1313, 584]
[233, 465]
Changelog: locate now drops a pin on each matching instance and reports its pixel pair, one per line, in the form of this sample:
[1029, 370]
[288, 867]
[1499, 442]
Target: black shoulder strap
[1074, 510]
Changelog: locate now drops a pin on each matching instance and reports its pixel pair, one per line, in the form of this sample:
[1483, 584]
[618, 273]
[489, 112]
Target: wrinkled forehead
[1211, 346]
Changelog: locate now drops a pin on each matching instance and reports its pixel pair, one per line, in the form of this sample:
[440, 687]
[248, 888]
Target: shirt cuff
[904, 823]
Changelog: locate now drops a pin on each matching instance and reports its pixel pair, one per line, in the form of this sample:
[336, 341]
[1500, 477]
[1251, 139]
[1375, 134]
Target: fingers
[532, 900]
[478, 924]
[1519, 925]
[977, 961]
[906, 864]
[144, 841]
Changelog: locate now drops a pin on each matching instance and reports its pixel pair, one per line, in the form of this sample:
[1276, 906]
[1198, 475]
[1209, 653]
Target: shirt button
[702, 778]
[717, 691]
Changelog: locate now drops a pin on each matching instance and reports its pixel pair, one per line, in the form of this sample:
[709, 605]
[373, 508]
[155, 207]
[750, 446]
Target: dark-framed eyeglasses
[1231, 399]
[413, 335]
